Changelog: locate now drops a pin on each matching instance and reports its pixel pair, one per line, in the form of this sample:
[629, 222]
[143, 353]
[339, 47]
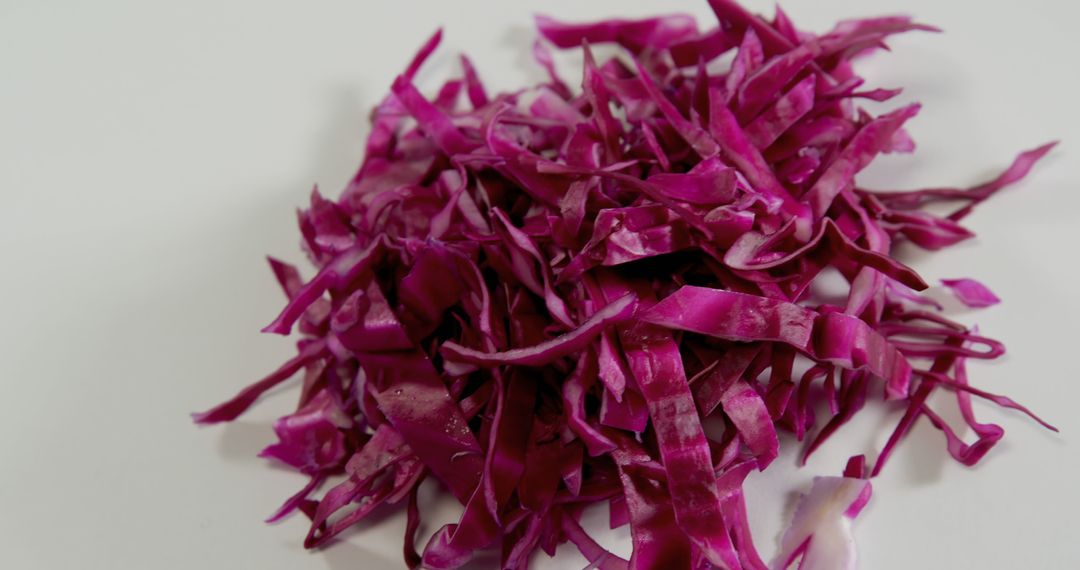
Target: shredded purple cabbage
[536, 298]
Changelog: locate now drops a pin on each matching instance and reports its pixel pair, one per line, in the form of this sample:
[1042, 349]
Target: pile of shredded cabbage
[536, 298]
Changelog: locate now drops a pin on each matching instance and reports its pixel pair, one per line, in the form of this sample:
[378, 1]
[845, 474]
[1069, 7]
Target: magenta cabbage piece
[538, 298]
[971, 292]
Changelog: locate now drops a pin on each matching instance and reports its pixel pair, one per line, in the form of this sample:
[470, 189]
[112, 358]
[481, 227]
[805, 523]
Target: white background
[151, 153]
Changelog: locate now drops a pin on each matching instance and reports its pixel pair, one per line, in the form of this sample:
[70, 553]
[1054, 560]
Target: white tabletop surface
[152, 152]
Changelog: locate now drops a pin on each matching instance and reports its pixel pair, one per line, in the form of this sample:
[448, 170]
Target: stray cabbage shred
[536, 298]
